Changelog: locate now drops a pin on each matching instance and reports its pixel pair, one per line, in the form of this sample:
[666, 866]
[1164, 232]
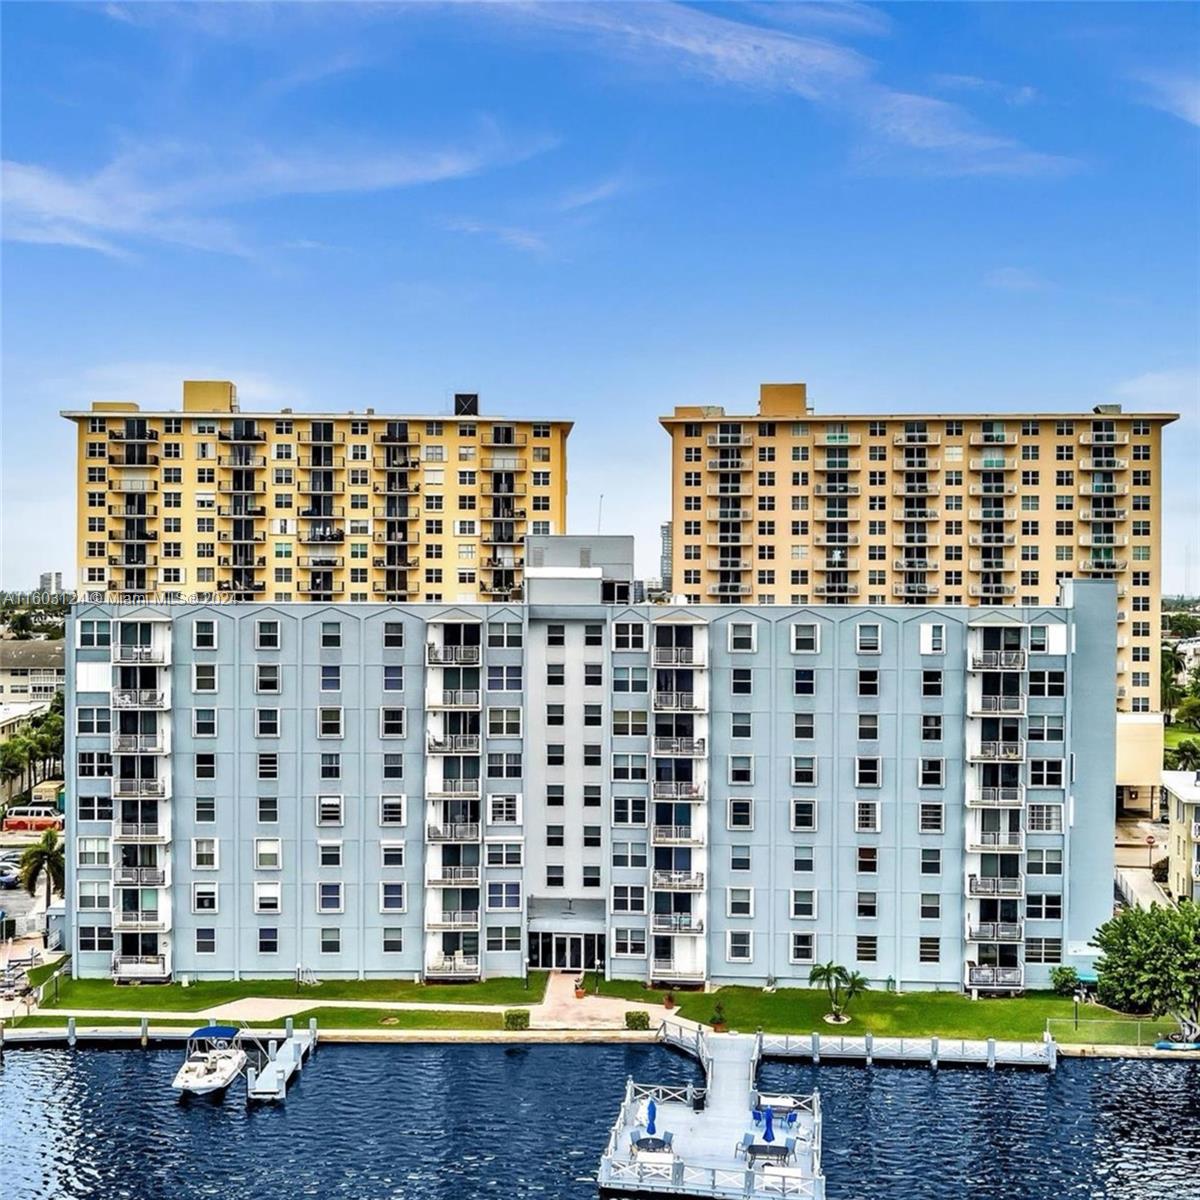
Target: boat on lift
[214, 1060]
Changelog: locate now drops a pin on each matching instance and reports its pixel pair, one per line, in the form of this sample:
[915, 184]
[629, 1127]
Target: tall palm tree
[1187, 755]
[45, 859]
[829, 976]
[853, 985]
[1172, 659]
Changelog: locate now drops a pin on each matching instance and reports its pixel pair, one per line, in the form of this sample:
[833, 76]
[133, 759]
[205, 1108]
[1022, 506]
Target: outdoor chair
[789, 1144]
[744, 1145]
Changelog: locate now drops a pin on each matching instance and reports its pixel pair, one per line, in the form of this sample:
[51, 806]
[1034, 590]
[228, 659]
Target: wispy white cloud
[317, 71]
[153, 383]
[903, 129]
[592, 194]
[1018, 95]
[1174, 389]
[517, 237]
[175, 193]
[1178, 95]
[1015, 279]
[825, 16]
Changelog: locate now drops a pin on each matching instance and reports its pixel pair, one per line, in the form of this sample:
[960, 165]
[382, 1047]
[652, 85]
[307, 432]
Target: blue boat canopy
[225, 1033]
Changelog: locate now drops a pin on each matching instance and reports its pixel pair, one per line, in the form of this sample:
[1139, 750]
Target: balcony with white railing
[992, 539]
[146, 833]
[729, 464]
[836, 462]
[916, 438]
[995, 978]
[836, 539]
[452, 831]
[993, 439]
[157, 654]
[437, 875]
[1103, 437]
[728, 591]
[452, 698]
[675, 789]
[992, 489]
[1103, 539]
[452, 918]
[994, 797]
[141, 743]
[914, 488]
[142, 920]
[996, 751]
[729, 564]
[981, 841]
[679, 656]
[452, 788]
[141, 876]
[155, 698]
[998, 660]
[907, 590]
[1003, 566]
[453, 966]
[1196, 869]
[679, 702]
[453, 743]
[678, 970]
[992, 589]
[976, 515]
[716, 440]
[994, 462]
[684, 923]
[995, 885]
[728, 539]
[676, 835]
[836, 489]
[141, 968]
[443, 656]
[1104, 463]
[153, 789]
[901, 463]
[729, 513]
[679, 747]
[990, 705]
[995, 931]
[1088, 515]
[1102, 565]
[677, 881]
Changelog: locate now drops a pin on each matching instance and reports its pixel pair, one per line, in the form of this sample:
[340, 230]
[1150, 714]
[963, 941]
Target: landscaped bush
[1064, 980]
[516, 1018]
[639, 1018]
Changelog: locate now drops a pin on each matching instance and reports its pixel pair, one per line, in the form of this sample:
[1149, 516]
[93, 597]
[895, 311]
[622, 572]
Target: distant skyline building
[50, 581]
[310, 506]
[788, 506]
[665, 563]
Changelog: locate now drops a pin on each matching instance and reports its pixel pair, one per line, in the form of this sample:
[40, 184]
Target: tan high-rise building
[300, 506]
[786, 506]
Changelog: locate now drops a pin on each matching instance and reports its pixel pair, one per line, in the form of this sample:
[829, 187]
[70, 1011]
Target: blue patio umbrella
[768, 1125]
[651, 1111]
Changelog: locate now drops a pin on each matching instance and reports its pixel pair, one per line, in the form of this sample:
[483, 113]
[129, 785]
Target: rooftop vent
[466, 404]
[1107, 410]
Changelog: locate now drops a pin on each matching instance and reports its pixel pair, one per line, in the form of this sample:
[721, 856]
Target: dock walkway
[269, 1082]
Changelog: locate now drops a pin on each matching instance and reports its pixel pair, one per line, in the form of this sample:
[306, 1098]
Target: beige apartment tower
[785, 506]
[310, 506]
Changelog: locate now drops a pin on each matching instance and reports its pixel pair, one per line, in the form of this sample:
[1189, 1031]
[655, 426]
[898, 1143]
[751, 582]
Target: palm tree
[1187, 755]
[1172, 659]
[44, 858]
[12, 763]
[842, 986]
[853, 985]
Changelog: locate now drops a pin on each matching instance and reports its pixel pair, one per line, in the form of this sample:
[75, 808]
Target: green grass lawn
[327, 1018]
[915, 1014]
[39, 975]
[1174, 734]
[102, 994]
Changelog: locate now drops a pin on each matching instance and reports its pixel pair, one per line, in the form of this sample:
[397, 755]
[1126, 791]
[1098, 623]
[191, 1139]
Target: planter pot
[668, 1005]
[719, 1027]
[834, 1019]
[580, 993]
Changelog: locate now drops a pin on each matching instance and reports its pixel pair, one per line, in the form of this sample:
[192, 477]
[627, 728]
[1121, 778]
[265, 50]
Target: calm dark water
[468, 1122]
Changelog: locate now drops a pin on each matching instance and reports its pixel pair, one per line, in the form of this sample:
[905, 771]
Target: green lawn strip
[39, 975]
[327, 1019]
[1174, 734]
[205, 994]
[912, 1014]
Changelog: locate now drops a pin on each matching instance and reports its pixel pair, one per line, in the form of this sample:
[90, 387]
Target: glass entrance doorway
[566, 951]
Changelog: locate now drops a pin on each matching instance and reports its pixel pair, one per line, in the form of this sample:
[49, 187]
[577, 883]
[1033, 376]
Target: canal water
[475, 1122]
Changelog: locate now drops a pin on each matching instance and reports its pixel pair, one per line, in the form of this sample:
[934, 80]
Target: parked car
[11, 857]
[9, 877]
[32, 816]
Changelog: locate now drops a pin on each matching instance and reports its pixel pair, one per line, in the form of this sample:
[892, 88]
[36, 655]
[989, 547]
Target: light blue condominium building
[684, 794]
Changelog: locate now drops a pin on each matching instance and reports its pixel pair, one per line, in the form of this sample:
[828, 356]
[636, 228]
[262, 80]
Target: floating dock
[710, 1124]
[269, 1082]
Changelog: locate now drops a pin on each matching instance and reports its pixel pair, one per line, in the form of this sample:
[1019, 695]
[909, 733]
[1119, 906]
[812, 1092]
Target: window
[504, 722]
[504, 937]
[391, 722]
[629, 810]
[206, 941]
[204, 722]
[204, 897]
[266, 635]
[804, 682]
[504, 633]
[629, 723]
[931, 818]
[931, 862]
[739, 945]
[630, 679]
[503, 810]
[95, 937]
[629, 943]
[1044, 862]
[94, 894]
[803, 726]
[93, 852]
[204, 677]
[393, 635]
[267, 854]
[867, 860]
[1043, 950]
[329, 723]
[866, 948]
[741, 769]
[930, 773]
[741, 814]
[806, 639]
[629, 898]
[739, 902]
[504, 679]
[867, 905]
[391, 810]
[1046, 772]
[803, 948]
[204, 854]
[931, 683]
[204, 635]
[331, 941]
[743, 637]
[93, 720]
[930, 906]
[329, 897]
[929, 950]
[867, 639]
[331, 677]
[804, 903]
[1044, 906]
[1047, 683]
[391, 897]
[329, 810]
[804, 814]
[266, 677]
[331, 635]
[868, 772]
[866, 816]
[629, 635]
[1044, 818]
[628, 766]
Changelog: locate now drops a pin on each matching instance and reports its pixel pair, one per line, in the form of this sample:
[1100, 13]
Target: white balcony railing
[676, 835]
[680, 747]
[438, 656]
[138, 698]
[458, 965]
[996, 797]
[996, 931]
[140, 966]
[1013, 751]
[676, 923]
[994, 885]
[683, 881]
[678, 656]
[454, 918]
[995, 977]
[127, 788]
[673, 789]
[998, 660]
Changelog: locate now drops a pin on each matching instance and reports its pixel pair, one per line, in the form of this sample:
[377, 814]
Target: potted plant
[669, 1001]
[580, 990]
[718, 1018]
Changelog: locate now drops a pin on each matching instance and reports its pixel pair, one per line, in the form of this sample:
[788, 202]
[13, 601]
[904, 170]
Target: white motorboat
[214, 1060]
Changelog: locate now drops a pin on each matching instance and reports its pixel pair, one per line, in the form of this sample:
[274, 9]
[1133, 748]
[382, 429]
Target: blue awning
[224, 1033]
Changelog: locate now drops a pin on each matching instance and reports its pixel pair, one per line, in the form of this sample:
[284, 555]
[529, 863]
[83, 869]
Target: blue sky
[599, 211]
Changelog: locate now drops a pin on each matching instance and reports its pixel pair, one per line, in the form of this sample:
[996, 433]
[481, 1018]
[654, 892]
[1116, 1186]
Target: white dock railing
[985, 1052]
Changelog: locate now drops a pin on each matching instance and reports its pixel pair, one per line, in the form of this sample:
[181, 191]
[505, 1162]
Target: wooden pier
[269, 1082]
